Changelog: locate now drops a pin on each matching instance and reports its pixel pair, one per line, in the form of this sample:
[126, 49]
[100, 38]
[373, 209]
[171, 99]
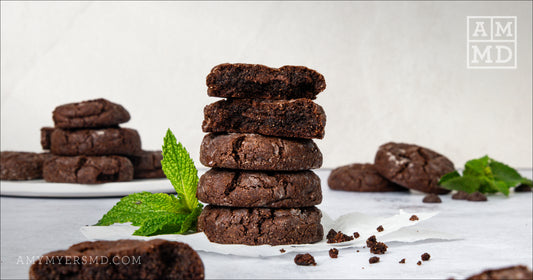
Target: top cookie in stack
[259, 146]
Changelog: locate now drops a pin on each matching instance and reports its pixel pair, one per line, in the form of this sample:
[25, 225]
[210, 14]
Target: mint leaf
[505, 173]
[467, 184]
[477, 167]
[451, 175]
[180, 170]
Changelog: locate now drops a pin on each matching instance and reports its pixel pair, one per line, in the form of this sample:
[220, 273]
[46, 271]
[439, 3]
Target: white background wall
[394, 71]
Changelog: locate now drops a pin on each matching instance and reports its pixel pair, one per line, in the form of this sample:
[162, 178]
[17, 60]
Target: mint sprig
[160, 213]
[484, 175]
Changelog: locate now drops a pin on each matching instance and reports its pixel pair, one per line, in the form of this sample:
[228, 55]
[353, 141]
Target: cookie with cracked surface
[296, 118]
[360, 178]
[259, 226]
[147, 165]
[120, 259]
[513, 272]
[237, 188]
[87, 170]
[241, 80]
[46, 134]
[15, 166]
[95, 142]
[258, 152]
[95, 113]
[412, 166]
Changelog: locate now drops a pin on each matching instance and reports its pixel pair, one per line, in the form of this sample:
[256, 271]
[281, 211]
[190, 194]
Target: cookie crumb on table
[402, 261]
[304, 259]
[333, 253]
[413, 218]
[373, 260]
[419, 263]
[282, 250]
[380, 228]
[425, 256]
[337, 237]
[371, 241]
[356, 235]
[379, 248]
[431, 198]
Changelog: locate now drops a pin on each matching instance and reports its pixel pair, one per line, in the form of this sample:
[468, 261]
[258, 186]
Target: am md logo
[491, 42]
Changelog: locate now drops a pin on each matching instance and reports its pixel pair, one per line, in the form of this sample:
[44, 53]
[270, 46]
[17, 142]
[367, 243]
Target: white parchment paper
[397, 228]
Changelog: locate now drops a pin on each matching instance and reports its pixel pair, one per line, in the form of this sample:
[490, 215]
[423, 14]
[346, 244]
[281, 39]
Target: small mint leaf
[477, 167]
[468, 184]
[449, 176]
[503, 172]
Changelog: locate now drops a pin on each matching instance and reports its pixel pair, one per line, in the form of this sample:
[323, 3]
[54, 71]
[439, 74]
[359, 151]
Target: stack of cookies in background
[260, 189]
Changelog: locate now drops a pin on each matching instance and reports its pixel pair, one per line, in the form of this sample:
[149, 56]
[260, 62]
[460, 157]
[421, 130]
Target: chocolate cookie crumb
[419, 263]
[477, 196]
[333, 253]
[460, 195]
[282, 250]
[371, 241]
[356, 235]
[380, 228]
[373, 260]
[413, 218]
[402, 261]
[425, 256]
[331, 234]
[339, 237]
[522, 188]
[431, 198]
[304, 259]
[357, 251]
[379, 248]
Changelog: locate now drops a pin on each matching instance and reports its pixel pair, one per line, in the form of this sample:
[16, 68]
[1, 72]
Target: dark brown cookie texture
[46, 134]
[95, 142]
[413, 167]
[360, 178]
[21, 165]
[121, 259]
[519, 272]
[90, 114]
[258, 226]
[296, 118]
[237, 188]
[258, 81]
[147, 165]
[257, 152]
[87, 170]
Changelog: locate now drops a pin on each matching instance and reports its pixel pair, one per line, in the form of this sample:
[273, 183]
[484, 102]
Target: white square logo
[491, 42]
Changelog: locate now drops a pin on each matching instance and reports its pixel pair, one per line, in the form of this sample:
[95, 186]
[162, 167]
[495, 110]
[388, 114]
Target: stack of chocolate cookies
[89, 147]
[260, 148]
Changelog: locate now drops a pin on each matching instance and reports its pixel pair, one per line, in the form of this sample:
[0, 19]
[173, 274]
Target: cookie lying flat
[121, 259]
[259, 81]
[517, 272]
[360, 178]
[258, 226]
[87, 170]
[257, 152]
[90, 114]
[147, 165]
[21, 165]
[412, 166]
[46, 134]
[297, 118]
[237, 188]
[95, 142]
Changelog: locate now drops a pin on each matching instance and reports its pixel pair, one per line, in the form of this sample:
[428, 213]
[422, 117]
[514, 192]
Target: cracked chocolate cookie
[412, 166]
[258, 226]
[87, 170]
[360, 178]
[237, 188]
[95, 142]
[513, 272]
[90, 114]
[46, 134]
[120, 259]
[147, 165]
[257, 152]
[296, 118]
[21, 165]
[259, 81]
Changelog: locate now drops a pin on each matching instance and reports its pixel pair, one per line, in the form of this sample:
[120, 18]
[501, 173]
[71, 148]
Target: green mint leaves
[484, 175]
[160, 213]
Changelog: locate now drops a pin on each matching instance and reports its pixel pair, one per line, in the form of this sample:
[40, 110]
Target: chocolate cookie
[87, 170]
[360, 178]
[21, 165]
[258, 226]
[120, 259]
[297, 118]
[46, 134]
[90, 114]
[147, 165]
[257, 152]
[237, 188]
[412, 166]
[259, 81]
[95, 142]
[513, 272]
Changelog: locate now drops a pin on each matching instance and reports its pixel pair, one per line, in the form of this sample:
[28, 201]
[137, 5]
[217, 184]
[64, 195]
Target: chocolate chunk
[431, 198]
[361, 178]
[425, 256]
[380, 228]
[371, 241]
[304, 259]
[121, 259]
[96, 113]
[95, 142]
[339, 237]
[259, 81]
[476, 196]
[522, 188]
[237, 188]
[519, 272]
[333, 253]
[402, 261]
[378, 248]
[297, 118]
[412, 166]
[21, 165]
[257, 152]
[460, 195]
[413, 218]
[373, 260]
[87, 170]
